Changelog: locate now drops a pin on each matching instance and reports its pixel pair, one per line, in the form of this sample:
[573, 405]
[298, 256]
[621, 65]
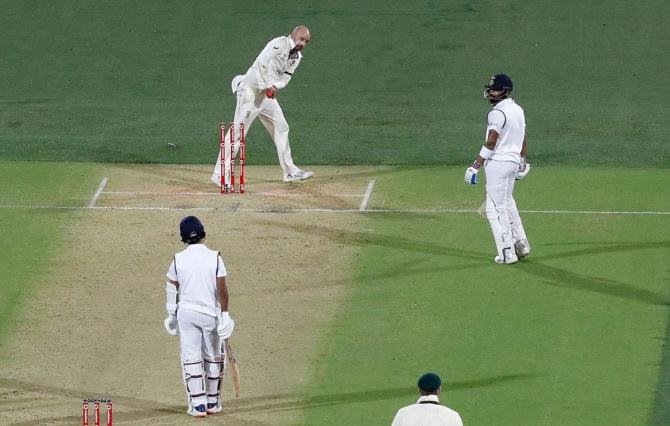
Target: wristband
[485, 153]
[476, 165]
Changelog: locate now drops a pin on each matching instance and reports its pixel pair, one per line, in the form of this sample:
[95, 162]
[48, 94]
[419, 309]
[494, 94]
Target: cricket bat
[232, 362]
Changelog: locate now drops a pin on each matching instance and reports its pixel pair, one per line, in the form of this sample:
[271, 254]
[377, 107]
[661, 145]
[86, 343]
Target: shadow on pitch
[368, 238]
[136, 410]
[560, 277]
[549, 275]
[295, 402]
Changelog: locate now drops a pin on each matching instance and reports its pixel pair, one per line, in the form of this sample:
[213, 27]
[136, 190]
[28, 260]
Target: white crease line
[158, 193]
[270, 194]
[103, 183]
[325, 210]
[366, 197]
[266, 194]
[594, 212]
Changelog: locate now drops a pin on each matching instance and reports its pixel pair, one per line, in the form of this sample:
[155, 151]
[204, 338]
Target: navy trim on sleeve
[504, 116]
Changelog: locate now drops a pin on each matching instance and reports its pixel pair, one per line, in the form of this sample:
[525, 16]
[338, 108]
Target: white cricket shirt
[274, 66]
[507, 118]
[427, 412]
[196, 269]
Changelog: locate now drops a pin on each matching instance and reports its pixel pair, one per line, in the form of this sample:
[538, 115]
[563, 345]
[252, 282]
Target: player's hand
[471, 176]
[271, 92]
[170, 324]
[225, 326]
[524, 168]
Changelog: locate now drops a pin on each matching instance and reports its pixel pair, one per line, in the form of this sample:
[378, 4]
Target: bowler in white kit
[257, 97]
[504, 157]
[197, 306]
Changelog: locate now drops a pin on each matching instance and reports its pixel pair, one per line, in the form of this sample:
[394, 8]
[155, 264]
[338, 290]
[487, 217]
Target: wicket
[96, 411]
[230, 188]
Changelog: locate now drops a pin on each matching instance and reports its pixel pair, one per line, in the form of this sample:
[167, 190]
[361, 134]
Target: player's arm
[524, 167]
[496, 121]
[171, 298]
[222, 290]
[488, 148]
[226, 323]
[272, 60]
[287, 74]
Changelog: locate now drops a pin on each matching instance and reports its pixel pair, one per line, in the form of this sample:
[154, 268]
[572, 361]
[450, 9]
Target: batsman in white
[197, 306]
[504, 157]
[257, 97]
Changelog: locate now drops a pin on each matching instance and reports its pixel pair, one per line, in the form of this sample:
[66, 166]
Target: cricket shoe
[508, 258]
[197, 411]
[216, 180]
[522, 248]
[298, 175]
[214, 407]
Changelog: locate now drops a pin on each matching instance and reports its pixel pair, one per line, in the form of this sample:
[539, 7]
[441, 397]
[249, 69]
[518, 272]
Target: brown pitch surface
[94, 330]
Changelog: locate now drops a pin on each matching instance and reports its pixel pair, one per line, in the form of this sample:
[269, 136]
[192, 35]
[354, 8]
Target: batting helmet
[191, 230]
[498, 83]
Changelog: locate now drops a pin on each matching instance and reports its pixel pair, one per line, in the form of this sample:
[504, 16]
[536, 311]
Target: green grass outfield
[575, 332]
[571, 335]
[30, 237]
[382, 82]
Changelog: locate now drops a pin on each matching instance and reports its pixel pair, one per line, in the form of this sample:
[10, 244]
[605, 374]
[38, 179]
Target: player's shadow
[284, 402]
[535, 266]
[366, 239]
[560, 277]
[135, 410]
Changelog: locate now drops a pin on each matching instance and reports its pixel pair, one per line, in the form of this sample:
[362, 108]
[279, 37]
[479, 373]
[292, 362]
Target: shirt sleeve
[272, 61]
[496, 120]
[172, 272]
[397, 419]
[220, 268]
[285, 77]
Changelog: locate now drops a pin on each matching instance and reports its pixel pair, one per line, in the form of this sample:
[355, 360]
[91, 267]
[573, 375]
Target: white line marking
[366, 197]
[266, 194]
[101, 187]
[326, 210]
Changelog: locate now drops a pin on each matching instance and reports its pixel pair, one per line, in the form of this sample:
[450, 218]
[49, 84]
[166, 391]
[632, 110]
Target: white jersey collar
[428, 398]
[504, 100]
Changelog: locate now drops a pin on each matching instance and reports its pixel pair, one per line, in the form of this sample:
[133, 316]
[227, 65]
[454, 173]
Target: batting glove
[226, 325]
[471, 174]
[170, 324]
[524, 168]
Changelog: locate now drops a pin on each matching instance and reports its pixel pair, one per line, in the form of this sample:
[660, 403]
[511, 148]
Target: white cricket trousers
[501, 208]
[200, 347]
[252, 103]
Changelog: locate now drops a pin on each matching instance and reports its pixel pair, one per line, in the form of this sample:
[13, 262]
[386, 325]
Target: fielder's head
[429, 384]
[300, 36]
[499, 87]
[191, 230]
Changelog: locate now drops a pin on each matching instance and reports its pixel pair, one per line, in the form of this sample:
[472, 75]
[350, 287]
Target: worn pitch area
[95, 330]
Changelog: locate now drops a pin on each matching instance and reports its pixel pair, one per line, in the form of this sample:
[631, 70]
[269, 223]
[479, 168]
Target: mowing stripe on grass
[30, 236]
[661, 414]
[567, 336]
